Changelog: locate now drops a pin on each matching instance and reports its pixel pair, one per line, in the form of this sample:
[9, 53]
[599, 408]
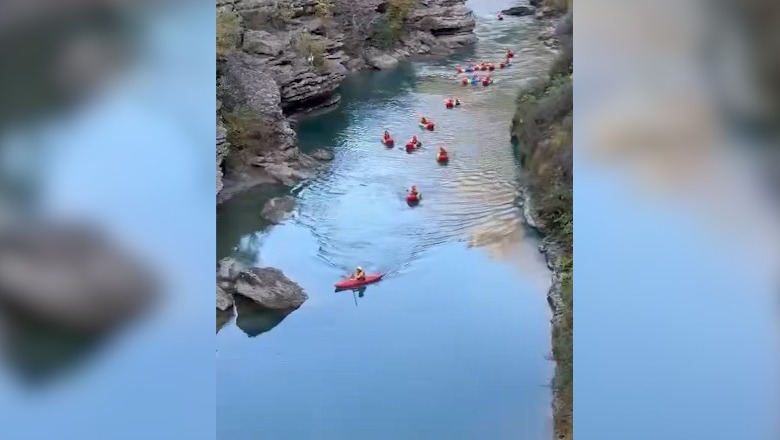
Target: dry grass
[228, 31]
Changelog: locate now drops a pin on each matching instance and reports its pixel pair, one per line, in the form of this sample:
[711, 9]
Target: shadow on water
[368, 88]
[38, 352]
[254, 319]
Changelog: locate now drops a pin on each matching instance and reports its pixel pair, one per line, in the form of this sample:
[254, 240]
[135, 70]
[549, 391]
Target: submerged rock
[322, 155]
[276, 209]
[382, 62]
[519, 11]
[270, 288]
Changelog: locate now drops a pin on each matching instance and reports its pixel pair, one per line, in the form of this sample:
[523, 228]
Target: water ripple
[357, 210]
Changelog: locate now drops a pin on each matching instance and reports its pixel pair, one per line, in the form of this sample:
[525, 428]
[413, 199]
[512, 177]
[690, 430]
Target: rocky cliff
[290, 57]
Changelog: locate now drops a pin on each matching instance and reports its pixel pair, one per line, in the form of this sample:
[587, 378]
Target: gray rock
[71, 276]
[223, 149]
[224, 300]
[519, 11]
[263, 43]
[228, 269]
[276, 209]
[270, 288]
[322, 155]
[382, 62]
[355, 64]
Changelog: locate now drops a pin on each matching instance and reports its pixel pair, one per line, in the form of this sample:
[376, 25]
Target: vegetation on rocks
[228, 31]
[312, 48]
[248, 133]
[542, 125]
[324, 9]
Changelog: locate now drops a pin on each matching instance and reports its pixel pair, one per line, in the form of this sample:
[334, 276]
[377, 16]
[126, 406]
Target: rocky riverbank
[542, 128]
[277, 59]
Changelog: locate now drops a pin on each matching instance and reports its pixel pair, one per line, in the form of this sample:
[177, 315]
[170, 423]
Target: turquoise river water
[454, 343]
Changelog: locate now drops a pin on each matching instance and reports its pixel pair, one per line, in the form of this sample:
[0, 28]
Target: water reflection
[254, 319]
[239, 219]
[37, 351]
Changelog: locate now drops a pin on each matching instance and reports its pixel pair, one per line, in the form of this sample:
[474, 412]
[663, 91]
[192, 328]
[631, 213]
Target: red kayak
[413, 199]
[350, 283]
[449, 104]
[441, 158]
[388, 142]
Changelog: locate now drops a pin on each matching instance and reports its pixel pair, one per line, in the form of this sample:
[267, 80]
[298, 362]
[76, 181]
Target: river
[454, 343]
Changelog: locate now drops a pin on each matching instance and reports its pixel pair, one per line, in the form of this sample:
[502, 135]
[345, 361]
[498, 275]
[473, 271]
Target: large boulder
[519, 11]
[71, 276]
[270, 288]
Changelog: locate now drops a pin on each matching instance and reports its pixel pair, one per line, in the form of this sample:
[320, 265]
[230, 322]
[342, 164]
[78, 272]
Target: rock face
[246, 84]
[223, 149]
[450, 22]
[270, 288]
[72, 277]
[274, 70]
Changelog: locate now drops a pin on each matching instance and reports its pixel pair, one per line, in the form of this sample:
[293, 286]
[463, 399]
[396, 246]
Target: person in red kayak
[509, 53]
[423, 120]
[413, 191]
[442, 151]
[387, 135]
[413, 140]
[359, 274]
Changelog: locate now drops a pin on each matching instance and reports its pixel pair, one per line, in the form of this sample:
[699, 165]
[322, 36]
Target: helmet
[360, 268]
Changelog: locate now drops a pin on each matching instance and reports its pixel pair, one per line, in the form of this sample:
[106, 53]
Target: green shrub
[308, 46]
[388, 29]
[248, 133]
[228, 31]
